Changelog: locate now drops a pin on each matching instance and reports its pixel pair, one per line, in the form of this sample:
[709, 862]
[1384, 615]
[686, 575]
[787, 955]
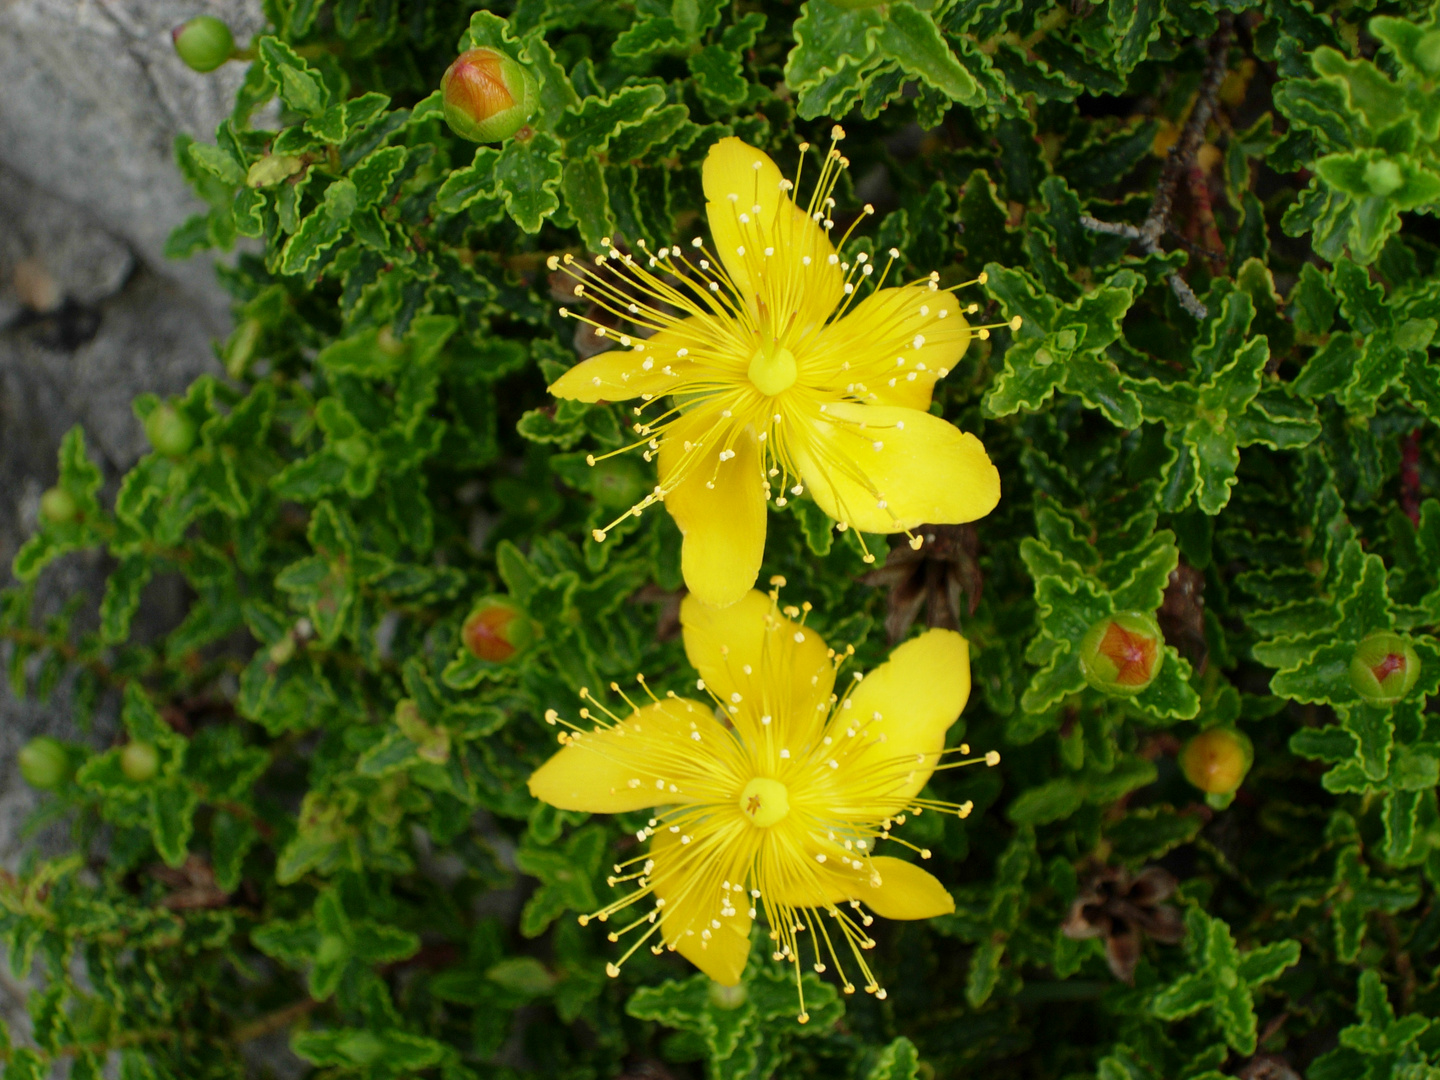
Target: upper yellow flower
[774, 797]
[782, 379]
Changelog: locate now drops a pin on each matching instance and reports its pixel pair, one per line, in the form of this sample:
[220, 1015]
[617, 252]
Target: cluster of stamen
[751, 359]
[728, 850]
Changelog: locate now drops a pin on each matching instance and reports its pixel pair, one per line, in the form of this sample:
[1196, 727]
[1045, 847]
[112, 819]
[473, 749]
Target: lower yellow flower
[774, 797]
[790, 368]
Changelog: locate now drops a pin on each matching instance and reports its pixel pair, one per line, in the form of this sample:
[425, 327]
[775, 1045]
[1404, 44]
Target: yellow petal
[621, 374]
[790, 671]
[689, 914]
[598, 772]
[918, 693]
[883, 329]
[799, 271]
[905, 891]
[723, 525]
[925, 470]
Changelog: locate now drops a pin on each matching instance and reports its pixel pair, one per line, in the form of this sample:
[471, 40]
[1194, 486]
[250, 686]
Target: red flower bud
[46, 763]
[1384, 668]
[1216, 761]
[1121, 654]
[495, 630]
[488, 96]
[203, 43]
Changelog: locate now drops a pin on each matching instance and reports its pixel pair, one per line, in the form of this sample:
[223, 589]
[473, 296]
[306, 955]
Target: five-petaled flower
[775, 797]
[785, 372]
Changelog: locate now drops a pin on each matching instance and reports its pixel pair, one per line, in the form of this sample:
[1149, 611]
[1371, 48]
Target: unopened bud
[139, 761]
[496, 630]
[1216, 761]
[58, 506]
[170, 432]
[46, 763]
[203, 43]
[1121, 654]
[488, 96]
[1384, 668]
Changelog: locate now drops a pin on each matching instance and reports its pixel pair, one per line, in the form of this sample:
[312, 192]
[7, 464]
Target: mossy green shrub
[1213, 221]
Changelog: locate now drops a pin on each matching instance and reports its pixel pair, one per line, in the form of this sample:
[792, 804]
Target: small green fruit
[170, 432]
[495, 630]
[488, 96]
[1383, 177]
[139, 761]
[58, 506]
[1122, 654]
[1216, 761]
[1384, 668]
[46, 763]
[204, 43]
[727, 997]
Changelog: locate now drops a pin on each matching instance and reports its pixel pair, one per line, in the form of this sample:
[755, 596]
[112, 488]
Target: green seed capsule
[204, 43]
[139, 761]
[1216, 761]
[1384, 668]
[170, 432]
[58, 506]
[46, 763]
[1122, 654]
[488, 96]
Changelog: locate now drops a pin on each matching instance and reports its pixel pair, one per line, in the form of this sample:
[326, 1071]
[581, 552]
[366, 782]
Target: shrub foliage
[1214, 219]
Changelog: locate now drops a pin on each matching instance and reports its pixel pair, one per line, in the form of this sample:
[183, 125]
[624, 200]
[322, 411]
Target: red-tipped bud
[58, 506]
[488, 96]
[46, 763]
[139, 761]
[1121, 654]
[1384, 668]
[496, 630]
[170, 432]
[1216, 761]
[203, 43]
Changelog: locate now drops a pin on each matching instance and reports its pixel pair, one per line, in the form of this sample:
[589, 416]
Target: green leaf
[910, 37]
[898, 1061]
[300, 85]
[527, 175]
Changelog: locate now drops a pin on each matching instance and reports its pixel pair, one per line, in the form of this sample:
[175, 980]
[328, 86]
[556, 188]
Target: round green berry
[203, 43]
[58, 506]
[46, 763]
[170, 432]
[139, 761]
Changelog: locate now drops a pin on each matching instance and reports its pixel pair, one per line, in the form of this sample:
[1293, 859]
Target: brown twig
[1177, 164]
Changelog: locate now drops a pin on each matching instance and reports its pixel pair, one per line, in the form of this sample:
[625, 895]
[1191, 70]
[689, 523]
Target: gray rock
[94, 97]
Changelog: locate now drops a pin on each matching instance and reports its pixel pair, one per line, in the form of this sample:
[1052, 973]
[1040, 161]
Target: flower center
[764, 802]
[773, 372]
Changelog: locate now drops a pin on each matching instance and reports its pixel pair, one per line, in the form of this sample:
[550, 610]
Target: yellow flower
[775, 797]
[782, 377]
